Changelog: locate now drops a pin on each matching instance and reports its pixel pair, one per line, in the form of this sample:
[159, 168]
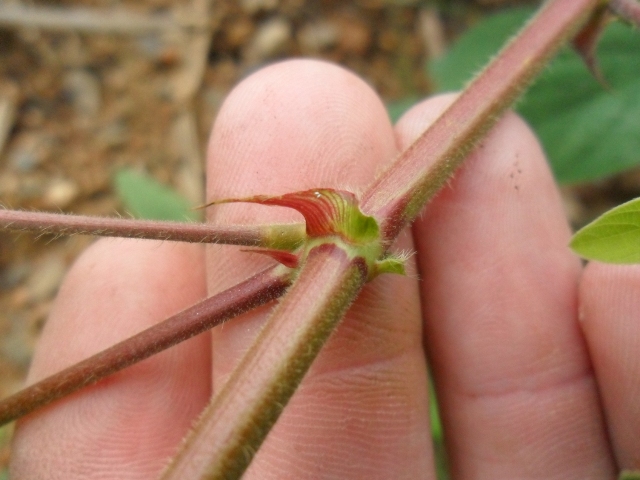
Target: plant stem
[281, 237]
[253, 292]
[239, 417]
[234, 425]
[397, 197]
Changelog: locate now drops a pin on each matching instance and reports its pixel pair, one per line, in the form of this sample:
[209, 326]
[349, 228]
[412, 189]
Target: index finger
[517, 391]
[361, 411]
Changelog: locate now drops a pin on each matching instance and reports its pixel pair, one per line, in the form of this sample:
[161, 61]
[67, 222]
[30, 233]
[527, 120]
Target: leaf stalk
[234, 425]
[282, 237]
[253, 292]
[237, 421]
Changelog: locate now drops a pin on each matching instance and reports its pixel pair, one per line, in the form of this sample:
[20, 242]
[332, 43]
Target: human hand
[518, 387]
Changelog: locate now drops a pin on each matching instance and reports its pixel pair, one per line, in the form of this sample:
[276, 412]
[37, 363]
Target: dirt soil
[78, 102]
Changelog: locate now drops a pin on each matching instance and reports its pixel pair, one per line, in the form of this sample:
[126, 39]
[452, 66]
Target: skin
[535, 361]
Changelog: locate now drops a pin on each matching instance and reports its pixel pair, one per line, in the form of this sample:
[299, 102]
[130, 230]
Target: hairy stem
[236, 422]
[397, 197]
[281, 237]
[234, 425]
[253, 292]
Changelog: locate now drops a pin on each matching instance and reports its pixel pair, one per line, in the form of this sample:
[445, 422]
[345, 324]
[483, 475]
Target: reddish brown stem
[283, 237]
[397, 197]
[240, 415]
[234, 425]
[253, 292]
[252, 398]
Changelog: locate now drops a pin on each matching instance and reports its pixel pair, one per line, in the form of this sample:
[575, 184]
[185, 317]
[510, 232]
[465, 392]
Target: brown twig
[85, 20]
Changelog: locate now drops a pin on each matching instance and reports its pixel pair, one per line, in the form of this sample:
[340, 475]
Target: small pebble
[12, 275]
[29, 151]
[355, 37]
[159, 50]
[318, 36]
[83, 90]
[60, 193]
[112, 135]
[45, 278]
[239, 32]
[269, 40]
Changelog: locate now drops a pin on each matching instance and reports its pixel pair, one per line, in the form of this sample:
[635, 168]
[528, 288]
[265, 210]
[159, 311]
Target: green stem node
[332, 217]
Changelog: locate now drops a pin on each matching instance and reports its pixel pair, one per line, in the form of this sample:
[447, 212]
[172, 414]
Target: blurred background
[105, 101]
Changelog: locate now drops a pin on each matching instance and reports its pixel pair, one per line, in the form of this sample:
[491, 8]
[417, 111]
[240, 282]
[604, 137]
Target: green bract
[613, 237]
[333, 216]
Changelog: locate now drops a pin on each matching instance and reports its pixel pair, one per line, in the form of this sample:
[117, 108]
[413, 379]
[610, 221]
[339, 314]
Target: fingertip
[293, 126]
[111, 278]
[500, 298]
[296, 123]
[414, 121]
[605, 282]
[500, 217]
[608, 299]
[127, 424]
[610, 318]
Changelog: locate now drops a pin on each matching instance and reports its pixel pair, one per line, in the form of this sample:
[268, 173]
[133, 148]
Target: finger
[361, 412]
[499, 293]
[129, 424]
[610, 314]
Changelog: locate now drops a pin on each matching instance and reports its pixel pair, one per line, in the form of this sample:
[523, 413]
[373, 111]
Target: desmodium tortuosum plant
[345, 242]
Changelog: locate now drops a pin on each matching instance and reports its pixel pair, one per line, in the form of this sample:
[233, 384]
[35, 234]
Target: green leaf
[146, 198]
[614, 237]
[629, 475]
[434, 414]
[589, 132]
[397, 108]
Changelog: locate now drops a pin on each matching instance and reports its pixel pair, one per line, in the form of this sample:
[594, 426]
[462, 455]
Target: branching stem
[241, 414]
[237, 421]
[234, 425]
